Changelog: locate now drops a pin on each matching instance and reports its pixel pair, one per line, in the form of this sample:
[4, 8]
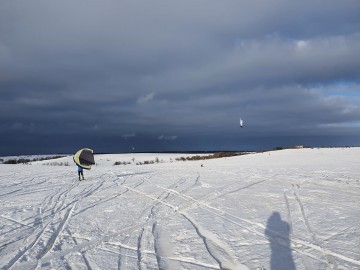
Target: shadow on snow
[277, 232]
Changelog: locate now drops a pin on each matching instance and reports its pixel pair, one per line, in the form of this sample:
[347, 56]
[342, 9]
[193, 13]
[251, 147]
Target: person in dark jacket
[81, 172]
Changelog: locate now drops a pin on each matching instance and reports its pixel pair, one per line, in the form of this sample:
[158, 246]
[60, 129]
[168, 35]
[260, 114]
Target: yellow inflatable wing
[84, 158]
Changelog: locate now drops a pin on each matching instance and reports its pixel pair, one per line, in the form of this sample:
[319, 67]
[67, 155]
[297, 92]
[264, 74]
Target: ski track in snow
[235, 220]
[48, 234]
[216, 248]
[158, 199]
[151, 219]
[55, 235]
[331, 263]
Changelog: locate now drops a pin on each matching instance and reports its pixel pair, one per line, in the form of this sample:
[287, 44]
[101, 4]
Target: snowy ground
[273, 210]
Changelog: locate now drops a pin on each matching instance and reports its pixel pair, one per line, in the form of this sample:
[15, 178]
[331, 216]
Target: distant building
[297, 147]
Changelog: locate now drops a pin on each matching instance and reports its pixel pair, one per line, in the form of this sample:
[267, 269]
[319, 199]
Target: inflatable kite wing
[84, 158]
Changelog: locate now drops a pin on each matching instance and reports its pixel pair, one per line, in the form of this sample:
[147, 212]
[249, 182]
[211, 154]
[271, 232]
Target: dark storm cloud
[114, 73]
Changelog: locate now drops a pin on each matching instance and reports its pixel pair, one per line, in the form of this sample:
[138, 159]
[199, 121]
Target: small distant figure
[80, 173]
[202, 165]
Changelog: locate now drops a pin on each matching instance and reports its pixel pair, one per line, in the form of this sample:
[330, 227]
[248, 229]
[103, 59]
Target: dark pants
[81, 173]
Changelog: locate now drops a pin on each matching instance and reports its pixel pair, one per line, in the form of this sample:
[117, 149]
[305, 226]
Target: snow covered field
[276, 210]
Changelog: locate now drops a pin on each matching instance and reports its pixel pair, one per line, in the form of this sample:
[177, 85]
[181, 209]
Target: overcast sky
[178, 75]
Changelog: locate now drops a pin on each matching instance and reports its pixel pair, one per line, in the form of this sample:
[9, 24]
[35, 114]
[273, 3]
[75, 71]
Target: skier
[80, 172]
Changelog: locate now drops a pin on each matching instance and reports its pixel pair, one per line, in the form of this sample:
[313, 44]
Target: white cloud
[146, 98]
[167, 138]
[301, 44]
[17, 126]
[128, 135]
[23, 126]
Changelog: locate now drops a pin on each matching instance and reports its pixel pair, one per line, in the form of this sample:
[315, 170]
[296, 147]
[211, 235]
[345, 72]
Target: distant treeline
[57, 164]
[196, 157]
[27, 160]
[157, 160]
[212, 156]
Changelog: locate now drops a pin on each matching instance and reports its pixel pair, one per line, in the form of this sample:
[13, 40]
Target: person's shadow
[277, 231]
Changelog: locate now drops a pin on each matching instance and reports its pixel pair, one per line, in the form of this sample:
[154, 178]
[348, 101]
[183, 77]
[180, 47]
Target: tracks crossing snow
[128, 216]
